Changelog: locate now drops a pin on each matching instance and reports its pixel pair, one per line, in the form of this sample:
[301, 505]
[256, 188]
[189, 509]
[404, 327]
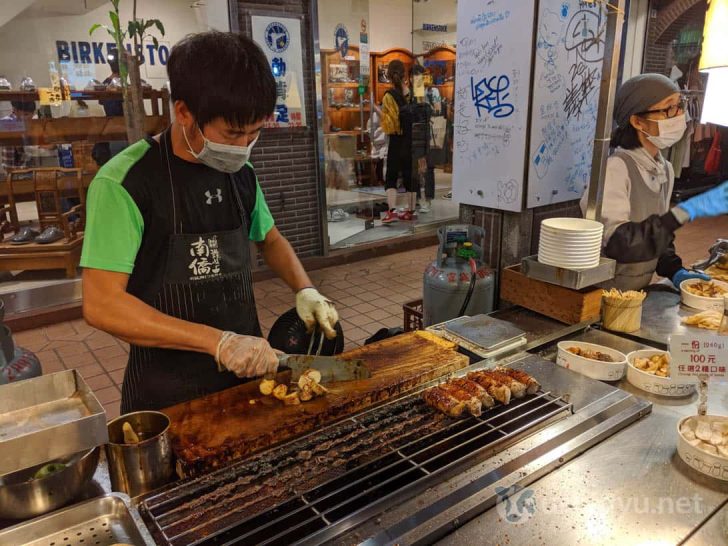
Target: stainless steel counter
[630, 489]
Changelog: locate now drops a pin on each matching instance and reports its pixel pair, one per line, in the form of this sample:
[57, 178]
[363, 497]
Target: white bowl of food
[595, 361]
[704, 295]
[649, 370]
[703, 444]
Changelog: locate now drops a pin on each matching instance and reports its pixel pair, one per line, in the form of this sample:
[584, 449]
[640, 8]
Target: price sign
[697, 356]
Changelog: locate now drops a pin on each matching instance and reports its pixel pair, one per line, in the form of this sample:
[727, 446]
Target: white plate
[570, 234]
[663, 386]
[715, 466]
[566, 260]
[577, 252]
[573, 225]
[603, 371]
[699, 302]
[597, 243]
[567, 242]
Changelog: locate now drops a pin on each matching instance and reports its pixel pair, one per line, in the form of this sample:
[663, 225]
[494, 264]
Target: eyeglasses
[669, 112]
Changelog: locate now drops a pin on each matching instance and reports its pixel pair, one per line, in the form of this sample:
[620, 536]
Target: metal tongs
[313, 338]
[718, 253]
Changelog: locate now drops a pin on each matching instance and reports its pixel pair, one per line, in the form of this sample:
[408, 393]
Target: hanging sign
[363, 49]
[341, 39]
[280, 40]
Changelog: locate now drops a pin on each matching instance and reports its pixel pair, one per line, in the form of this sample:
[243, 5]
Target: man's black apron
[207, 279]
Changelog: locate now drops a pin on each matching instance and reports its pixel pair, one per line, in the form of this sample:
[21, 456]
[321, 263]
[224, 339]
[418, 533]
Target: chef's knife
[331, 368]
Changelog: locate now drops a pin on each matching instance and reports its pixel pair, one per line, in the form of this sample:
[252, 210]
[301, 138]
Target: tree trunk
[133, 101]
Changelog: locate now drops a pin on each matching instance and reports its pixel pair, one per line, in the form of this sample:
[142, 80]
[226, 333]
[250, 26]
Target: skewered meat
[472, 403]
[442, 401]
[532, 385]
[476, 390]
[518, 389]
[495, 388]
[479, 389]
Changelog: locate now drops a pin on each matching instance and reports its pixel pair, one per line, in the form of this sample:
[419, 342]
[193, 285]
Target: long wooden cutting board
[210, 432]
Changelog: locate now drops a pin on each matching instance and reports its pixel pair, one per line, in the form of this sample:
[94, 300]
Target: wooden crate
[563, 304]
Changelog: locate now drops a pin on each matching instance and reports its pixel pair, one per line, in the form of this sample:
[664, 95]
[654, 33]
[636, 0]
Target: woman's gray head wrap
[639, 93]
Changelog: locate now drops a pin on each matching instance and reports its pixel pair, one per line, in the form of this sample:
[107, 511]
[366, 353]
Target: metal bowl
[23, 497]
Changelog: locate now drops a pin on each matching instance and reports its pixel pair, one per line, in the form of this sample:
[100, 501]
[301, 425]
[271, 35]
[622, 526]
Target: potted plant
[131, 82]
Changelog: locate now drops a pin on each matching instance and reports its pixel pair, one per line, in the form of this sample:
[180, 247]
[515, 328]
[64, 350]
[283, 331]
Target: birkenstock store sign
[98, 52]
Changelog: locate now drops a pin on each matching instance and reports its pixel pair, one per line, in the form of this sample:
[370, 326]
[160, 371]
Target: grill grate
[320, 482]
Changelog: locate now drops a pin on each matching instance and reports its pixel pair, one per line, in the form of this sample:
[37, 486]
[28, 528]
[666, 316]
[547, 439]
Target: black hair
[222, 74]
[626, 137]
[23, 106]
[113, 63]
[395, 73]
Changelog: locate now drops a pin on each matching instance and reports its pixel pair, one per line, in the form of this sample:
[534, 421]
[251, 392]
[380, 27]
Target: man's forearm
[281, 258]
[132, 320]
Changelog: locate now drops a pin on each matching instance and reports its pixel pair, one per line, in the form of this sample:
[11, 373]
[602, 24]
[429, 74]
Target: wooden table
[34, 256]
[212, 431]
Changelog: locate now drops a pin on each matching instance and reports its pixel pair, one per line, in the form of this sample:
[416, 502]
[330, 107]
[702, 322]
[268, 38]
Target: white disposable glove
[312, 307]
[245, 356]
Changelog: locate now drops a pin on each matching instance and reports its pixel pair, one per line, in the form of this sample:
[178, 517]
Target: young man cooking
[166, 257]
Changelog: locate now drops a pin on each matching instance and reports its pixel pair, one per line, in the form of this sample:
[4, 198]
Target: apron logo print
[211, 196]
[206, 258]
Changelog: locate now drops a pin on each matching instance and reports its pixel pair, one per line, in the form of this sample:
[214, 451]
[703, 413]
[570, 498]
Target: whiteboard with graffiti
[492, 83]
[569, 54]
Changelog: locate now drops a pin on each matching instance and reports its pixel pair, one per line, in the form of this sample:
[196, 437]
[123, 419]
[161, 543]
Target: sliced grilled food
[472, 404]
[480, 390]
[532, 385]
[497, 389]
[443, 402]
[475, 390]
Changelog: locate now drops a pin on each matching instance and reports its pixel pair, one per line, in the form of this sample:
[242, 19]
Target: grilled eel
[472, 403]
[495, 387]
[475, 390]
[442, 401]
[518, 389]
[532, 385]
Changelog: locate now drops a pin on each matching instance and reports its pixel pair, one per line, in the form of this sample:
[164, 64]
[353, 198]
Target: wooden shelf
[344, 85]
[446, 84]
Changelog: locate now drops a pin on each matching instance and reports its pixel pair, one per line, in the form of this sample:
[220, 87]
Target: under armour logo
[217, 196]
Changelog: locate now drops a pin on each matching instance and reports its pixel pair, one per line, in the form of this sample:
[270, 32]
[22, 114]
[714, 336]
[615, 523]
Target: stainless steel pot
[138, 468]
[23, 497]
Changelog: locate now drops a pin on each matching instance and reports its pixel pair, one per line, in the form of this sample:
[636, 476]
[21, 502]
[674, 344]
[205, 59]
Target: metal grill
[328, 481]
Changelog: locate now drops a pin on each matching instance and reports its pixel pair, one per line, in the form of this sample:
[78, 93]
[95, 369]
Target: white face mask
[221, 157]
[670, 131]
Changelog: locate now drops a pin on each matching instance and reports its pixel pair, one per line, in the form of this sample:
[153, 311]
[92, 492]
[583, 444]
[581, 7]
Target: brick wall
[286, 159]
[670, 18]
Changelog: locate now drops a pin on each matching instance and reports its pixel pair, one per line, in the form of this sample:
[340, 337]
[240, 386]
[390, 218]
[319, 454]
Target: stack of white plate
[571, 243]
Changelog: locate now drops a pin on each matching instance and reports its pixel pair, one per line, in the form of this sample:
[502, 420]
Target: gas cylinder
[16, 363]
[458, 273]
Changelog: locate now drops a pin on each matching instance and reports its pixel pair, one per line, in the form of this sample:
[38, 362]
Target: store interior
[47, 45]
[355, 146]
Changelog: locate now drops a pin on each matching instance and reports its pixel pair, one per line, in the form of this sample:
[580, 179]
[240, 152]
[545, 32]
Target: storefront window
[359, 40]
[61, 107]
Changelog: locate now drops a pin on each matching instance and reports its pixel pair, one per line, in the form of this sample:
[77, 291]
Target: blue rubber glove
[711, 203]
[684, 275]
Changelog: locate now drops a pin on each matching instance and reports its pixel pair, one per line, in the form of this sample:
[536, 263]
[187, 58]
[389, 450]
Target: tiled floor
[369, 295]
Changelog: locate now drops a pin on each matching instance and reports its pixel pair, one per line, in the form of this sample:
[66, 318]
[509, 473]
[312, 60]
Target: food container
[102, 521]
[714, 466]
[48, 417]
[699, 302]
[22, 496]
[622, 315]
[663, 386]
[596, 369]
[139, 468]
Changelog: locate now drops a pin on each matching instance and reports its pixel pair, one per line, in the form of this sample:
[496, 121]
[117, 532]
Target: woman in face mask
[639, 224]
